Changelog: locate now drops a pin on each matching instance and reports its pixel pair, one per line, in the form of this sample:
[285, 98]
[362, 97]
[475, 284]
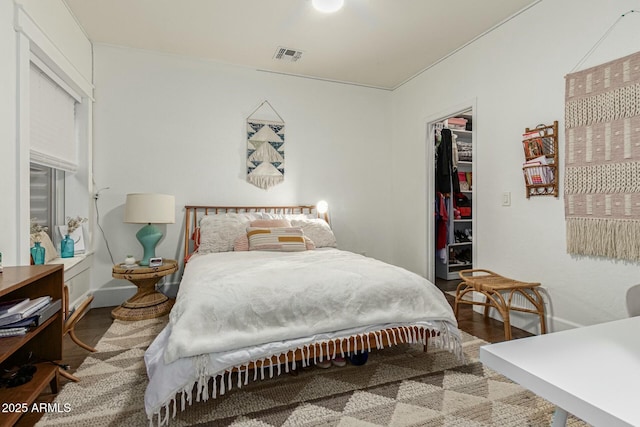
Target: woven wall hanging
[265, 149]
[602, 160]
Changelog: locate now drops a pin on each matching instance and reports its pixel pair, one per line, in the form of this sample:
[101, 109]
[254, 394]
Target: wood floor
[96, 322]
[476, 324]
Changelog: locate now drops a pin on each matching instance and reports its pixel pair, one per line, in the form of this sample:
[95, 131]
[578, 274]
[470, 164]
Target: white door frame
[430, 174]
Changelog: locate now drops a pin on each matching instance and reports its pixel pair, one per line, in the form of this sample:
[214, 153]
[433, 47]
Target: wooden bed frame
[372, 340]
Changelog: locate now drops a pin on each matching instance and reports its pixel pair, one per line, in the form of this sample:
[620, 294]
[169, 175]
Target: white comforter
[234, 300]
[230, 303]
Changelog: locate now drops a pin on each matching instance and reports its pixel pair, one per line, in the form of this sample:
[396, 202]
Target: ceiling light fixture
[327, 6]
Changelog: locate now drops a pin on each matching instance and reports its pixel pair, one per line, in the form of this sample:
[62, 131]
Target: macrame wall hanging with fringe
[602, 160]
[265, 148]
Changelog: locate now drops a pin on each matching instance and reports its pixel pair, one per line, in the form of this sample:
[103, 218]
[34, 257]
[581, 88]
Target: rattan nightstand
[147, 303]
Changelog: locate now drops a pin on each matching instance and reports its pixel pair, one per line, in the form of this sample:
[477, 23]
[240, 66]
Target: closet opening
[451, 198]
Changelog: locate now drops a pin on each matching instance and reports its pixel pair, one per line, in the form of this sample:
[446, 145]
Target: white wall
[56, 21]
[175, 125]
[516, 76]
[8, 169]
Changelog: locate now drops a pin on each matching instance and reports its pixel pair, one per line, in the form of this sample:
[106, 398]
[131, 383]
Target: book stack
[538, 171]
[17, 316]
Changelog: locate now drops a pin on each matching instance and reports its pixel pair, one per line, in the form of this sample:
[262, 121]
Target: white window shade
[52, 123]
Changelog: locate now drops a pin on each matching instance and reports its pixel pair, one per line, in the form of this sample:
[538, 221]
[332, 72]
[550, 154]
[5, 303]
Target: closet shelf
[459, 264]
[460, 244]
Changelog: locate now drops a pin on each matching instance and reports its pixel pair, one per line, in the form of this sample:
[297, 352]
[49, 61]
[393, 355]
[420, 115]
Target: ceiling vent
[287, 55]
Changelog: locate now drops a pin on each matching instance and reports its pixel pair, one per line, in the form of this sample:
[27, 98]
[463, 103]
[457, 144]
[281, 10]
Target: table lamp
[322, 208]
[145, 208]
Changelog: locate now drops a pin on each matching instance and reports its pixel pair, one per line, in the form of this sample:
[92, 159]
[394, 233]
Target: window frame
[54, 193]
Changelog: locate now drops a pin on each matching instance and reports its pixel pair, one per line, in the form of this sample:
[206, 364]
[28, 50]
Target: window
[52, 120]
[53, 149]
[47, 196]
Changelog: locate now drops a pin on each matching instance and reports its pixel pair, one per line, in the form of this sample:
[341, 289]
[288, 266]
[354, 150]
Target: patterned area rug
[399, 386]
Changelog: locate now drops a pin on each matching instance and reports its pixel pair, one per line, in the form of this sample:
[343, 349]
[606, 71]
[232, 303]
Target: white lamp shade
[145, 208]
[322, 207]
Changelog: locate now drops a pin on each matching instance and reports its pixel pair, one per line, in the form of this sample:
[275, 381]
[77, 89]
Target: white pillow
[317, 230]
[219, 232]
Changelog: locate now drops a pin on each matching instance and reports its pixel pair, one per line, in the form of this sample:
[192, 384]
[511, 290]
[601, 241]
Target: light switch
[506, 198]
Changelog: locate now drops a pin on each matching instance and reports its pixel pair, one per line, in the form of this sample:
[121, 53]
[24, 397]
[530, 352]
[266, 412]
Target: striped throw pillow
[242, 244]
[284, 239]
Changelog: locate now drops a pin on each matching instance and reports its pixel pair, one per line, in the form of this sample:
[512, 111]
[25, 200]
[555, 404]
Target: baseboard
[75, 303]
[112, 297]
[531, 322]
[526, 321]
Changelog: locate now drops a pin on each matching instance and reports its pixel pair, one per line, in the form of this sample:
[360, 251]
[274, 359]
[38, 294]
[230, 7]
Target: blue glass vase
[37, 253]
[66, 247]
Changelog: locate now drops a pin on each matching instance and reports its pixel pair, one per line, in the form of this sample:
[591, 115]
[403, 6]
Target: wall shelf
[540, 170]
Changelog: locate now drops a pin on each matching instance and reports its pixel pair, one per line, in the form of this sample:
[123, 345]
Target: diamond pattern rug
[399, 386]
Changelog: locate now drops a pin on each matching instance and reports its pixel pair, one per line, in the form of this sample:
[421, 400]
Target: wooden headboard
[193, 214]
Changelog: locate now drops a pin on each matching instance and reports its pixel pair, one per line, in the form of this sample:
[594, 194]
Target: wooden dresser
[44, 342]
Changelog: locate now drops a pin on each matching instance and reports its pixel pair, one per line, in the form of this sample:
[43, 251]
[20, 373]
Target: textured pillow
[219, 232]
[242, 243]
[267, 215]
[270, 223]
[284, 239]
[317, 230]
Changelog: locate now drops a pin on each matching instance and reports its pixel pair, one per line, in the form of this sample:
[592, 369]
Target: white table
[592, 372]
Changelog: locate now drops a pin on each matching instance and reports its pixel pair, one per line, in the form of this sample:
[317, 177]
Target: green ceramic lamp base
[148, 236]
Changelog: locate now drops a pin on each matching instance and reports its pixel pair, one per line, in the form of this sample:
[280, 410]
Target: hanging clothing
[442, 221]
[446, 178]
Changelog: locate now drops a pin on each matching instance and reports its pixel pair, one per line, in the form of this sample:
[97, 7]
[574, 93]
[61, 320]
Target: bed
[265, 291]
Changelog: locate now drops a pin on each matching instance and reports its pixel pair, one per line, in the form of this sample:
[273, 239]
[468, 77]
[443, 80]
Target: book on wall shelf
[538, 143]
[538, 171]
[533, 147]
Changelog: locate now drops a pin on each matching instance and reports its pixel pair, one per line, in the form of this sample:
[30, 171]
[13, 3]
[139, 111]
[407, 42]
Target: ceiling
[377, 43]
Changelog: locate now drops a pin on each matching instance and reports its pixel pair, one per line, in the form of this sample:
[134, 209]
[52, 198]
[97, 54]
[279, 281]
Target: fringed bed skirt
[212, 384]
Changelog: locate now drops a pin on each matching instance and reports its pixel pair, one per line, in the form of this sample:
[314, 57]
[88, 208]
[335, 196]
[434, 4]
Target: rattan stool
[493, 286]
